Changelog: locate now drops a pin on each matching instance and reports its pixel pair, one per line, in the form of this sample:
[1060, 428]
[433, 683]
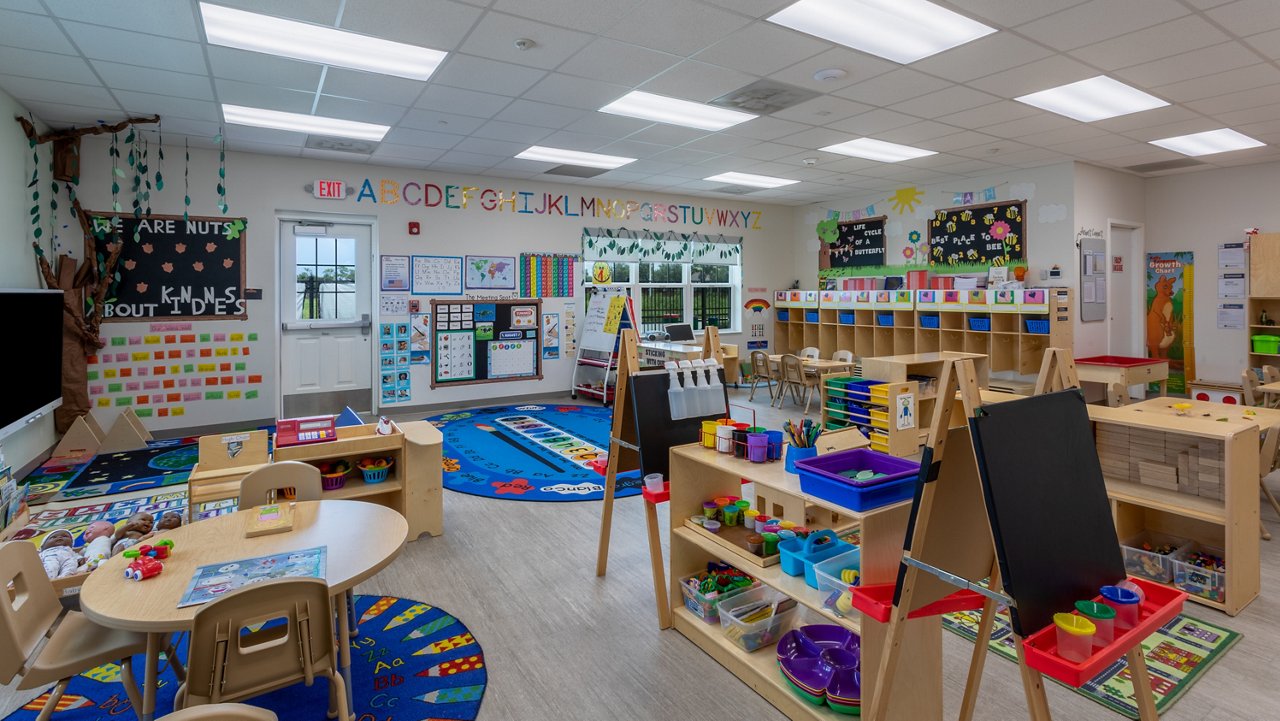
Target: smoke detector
[810, 162]
[524, 44]
[826, 75]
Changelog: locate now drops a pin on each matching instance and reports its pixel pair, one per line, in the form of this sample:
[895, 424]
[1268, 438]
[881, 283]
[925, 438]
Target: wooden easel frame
[126, 434]
[83, 438]
[960, 376]
[1057, 372]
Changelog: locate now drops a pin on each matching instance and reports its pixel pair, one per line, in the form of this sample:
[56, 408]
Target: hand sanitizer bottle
[675, 393]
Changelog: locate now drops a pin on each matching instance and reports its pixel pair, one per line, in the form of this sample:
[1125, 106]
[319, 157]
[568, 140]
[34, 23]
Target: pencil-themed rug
[530, 453]
[1178, 654]
[411, 661]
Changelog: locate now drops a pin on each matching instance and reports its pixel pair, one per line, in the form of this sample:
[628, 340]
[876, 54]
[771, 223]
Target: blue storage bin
[858, 414]
[860, 390]
[811, 316]
[884, 320]
[798, 555]
[846, 319]
[980, 324]
[929, 321]
[1038, 327]
[784, 315]
[818, 477]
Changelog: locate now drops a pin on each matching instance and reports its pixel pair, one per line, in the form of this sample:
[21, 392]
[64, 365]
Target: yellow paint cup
[709, 434]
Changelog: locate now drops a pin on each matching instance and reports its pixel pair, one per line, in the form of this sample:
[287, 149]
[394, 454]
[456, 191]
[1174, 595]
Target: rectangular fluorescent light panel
[316, 43]
[903, 31]
[311, 124]
[1097, 98]
[755, 181]
[878, 150]
[574, 157]
[661, 109]
[1209, 142]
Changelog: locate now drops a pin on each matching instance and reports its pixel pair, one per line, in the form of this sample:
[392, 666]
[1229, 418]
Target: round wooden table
[361, 539]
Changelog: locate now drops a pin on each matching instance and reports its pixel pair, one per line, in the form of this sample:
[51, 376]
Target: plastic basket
[1037, 327]
[377, 475]
[330, 481]
[884, 320]
[846, 318]
[784, 315]
[706, 607]
[1269, 344]
[980, 324]
[929, 321]
[1151, 565]
[811, 316]
[830, 584]
[798, 555]
[1197, 581]
[754, 636]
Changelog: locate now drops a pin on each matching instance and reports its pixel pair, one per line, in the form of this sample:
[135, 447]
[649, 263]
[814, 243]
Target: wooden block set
[1160, 459]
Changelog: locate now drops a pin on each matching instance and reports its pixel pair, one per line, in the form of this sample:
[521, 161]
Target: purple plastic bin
[820, 476]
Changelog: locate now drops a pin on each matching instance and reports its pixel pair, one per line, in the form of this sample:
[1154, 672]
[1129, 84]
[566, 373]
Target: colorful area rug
[530, 453]
[410, 662]
[1177, 654]
[76, 519]
[161, 463]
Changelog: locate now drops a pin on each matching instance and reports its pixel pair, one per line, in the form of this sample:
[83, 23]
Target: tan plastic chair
[1249, 386]
[795, 379]
[761, 370]
[222, 712]
[1270, 374]
[843, 356]
[35, 647]
[810, 353]
[231, 662]
[276, 479]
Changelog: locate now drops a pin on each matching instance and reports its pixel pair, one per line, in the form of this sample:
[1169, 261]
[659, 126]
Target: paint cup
[785, 535]
[749, 519]
[757, 429]
[709, 434]
[757, 447]
[1126, 604]
[1075, 636]
[743, 505]
[762, 521]
[730, 514]
[741, 426]
[755, 543]
[787, 525]
[733, 499]
[801, 531]
[740, 443]
[724, 439]
[721, 501]
[795, 453]
[712, 526]
[772, 528]
[1142, 595]
[770, 543]
[653, 483]
[697, 519]
[775, 444]
[1103, 618]
[709, 509]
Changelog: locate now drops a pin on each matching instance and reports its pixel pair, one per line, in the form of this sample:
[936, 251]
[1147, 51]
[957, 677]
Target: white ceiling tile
[663, 134]
[767, 151]
[190, 127]
[1241, 100]
[858, 66]
[1254, 76]
[1040, 123]
[359, 110]
[48, 91]
[250, 67]
[619, 62]
[26, 6]
[986, 55]
[683, 29]
[156, 17]
[495, 35]
[893, 87]
[969, 167]
[1099, 20]
[437, 24]
[514, 132]
[33, 32]
[1126, 155]
[620, 176]
[421, 138]
[992, 151]
[98, 43]
[765, 128]
[948, 100]
[46, 66]
[491, 76]
[435, 121]
[1206, 4]
[1169, 130]
[401, 162]
[591, 16]
[1267, 43]
[635, 149]
[1033, 77]
[1246, 17]
[371, 87]
[1147, 118]
[526, 167]
[721, 143]
[485, 146]
[462, 102]
[724, 164]
[763, 48]
[534, 113]
[822, 110]
[323, 12]
[1105, 141]
[148, 104]
[246, 134]
[1270, 127]
[697, 81]
[154, 80]
[246, 146]
[1069, 134]
[560, 89]
[998, 112]
[1171, 38]
[264, 96]
[815, 138]
[615, 126]
[1193, 64]
[334, 155]
[964, 139]
[919, 133]
[577, 141]
[650, 167]
[59, 115]
[1248, 115]
[1008, 13]
[876, 121]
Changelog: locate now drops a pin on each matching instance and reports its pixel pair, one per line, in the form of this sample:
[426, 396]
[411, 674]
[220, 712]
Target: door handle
[365, 324]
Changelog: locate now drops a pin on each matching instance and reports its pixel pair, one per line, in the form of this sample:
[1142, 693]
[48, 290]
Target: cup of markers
[802, 441]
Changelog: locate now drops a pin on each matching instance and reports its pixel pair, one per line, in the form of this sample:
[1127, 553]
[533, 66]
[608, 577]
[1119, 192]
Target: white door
[1123, 333]
[326, 299]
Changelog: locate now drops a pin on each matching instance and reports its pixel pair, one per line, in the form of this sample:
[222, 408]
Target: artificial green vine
[186, 182]
[116, 172]
[36, 231]
[222, 172]
[160, 155]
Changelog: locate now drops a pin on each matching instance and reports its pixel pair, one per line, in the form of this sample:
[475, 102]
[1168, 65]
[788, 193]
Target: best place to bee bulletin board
[974, 238]
[488, 341]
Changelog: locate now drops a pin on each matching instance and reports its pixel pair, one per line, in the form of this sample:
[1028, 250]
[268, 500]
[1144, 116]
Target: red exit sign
[330, 189]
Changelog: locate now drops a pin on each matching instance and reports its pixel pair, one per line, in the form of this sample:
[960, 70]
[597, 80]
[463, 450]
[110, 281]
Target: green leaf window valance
[620, 244]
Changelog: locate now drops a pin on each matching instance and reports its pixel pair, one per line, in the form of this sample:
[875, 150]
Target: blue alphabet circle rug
[410, 661]
[530, 453]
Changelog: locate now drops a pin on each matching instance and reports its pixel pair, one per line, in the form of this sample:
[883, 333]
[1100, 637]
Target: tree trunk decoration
[84, 285]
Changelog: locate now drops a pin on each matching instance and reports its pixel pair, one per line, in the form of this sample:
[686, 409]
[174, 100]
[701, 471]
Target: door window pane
[326, 279]
[346, 251]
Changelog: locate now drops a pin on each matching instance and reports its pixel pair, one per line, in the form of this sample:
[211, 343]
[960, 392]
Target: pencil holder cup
[798, 454]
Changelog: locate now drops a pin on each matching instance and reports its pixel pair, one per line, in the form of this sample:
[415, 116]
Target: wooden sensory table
[1117, 373]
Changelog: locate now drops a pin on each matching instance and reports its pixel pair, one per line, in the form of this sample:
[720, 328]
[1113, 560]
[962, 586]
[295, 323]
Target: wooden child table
[1117, 373]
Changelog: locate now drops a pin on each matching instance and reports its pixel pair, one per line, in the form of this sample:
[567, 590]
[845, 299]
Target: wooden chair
[39, 649]
[761, 370]
[222, 712]
[795, 378]
[294, 641]
[1249, 386]
[266, 484]
[1270, 374]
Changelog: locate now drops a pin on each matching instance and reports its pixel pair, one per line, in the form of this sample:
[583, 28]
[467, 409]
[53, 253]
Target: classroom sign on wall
[175, 269]
[1170, 328]
[974, 238]
[850, 244]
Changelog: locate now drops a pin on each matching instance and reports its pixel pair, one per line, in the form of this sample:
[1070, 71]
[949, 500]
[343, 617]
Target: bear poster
[1170, 331]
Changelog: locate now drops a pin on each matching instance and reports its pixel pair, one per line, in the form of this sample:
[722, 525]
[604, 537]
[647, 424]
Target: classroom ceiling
[1217, 62]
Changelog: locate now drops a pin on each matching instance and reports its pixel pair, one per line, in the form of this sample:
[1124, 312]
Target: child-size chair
[1249, 387]
[264, 485]
[843, 356]
[222, 712]
[795, 379]
[261, 638]
[809, 353]
[761, 370]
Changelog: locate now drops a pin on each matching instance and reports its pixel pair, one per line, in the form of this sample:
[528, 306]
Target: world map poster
[484, 272]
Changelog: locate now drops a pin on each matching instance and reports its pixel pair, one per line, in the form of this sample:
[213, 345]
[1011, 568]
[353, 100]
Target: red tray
[877, 602]
[652, 497]
[1118, 361]
[1163, 604]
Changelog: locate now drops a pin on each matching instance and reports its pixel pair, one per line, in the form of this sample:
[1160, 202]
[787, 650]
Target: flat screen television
[33, 324]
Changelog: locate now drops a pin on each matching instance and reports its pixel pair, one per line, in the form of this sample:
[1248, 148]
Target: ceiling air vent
[341, 145]
[764, 97]
[735, 189]
[576, 171]
[1165, 165]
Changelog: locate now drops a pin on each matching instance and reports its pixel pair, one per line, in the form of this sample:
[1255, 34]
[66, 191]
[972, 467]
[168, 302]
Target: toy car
[143, 567]
[160, 549]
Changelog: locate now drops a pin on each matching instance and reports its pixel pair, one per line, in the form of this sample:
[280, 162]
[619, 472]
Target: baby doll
[169, 520]
[133, 531]
[57, 555]
[97, 543]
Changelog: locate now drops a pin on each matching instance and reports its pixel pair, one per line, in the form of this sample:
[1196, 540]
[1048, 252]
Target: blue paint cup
[775, 444]
[798, 454]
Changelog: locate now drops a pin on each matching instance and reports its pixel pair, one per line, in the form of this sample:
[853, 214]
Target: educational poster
[855, 244]
[512, 358]
[570, 334]
[419, 338]
[484, 272]
[1170, 329]
[436, 275]
[972, 239]
[393, 304]
[455, 355]
[485, 341]
[218, 579]
[550, 336]
[547, 275]
[393, 363]
[395, 272]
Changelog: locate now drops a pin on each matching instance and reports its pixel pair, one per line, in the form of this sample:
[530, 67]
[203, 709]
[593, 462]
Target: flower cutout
[518, 486]
[908, 252]
[913, 237]
[1000, 230]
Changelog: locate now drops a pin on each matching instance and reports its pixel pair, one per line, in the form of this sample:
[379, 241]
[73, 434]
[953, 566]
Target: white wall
[18, 266]
[1102, 197]
[1196, 212]
[261, 187]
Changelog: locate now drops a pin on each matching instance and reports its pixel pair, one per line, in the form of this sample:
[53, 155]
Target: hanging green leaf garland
[222, 172]
[160, 156]
[34, 185]
[186, 182]
[116, 172]
[145, 167]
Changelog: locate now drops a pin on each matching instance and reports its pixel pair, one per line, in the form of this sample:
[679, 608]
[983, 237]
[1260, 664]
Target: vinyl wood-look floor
[561, 643]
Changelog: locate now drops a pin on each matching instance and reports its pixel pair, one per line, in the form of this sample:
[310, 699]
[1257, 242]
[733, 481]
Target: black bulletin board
[1047, 505]
[656, 433]
[992, 234]
[860, 244]
[485, 341]
[176, 269]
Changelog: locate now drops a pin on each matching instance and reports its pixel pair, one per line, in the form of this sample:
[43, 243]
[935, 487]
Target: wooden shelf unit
[879, 427]
[904, 368]
[1229, 523]
[698, 474]
[1264, 294]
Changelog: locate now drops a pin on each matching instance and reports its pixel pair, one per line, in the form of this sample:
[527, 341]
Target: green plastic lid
[1095, 610]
